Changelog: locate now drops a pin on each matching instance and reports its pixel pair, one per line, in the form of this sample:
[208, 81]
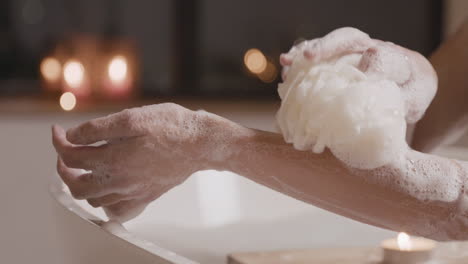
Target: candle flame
[73, 73]
[404, 242]
[117, 69]
[68, 101]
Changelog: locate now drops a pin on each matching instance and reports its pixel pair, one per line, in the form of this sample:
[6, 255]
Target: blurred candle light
[51, 69]
[269, 74]
[73, 73]
[119, 80]
[255, 61]
[117, 69]
[67, 101]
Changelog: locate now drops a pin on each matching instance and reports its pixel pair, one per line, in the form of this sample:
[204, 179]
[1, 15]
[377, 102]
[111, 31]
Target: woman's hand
[446, 121]
[147, 151]
[409, 69]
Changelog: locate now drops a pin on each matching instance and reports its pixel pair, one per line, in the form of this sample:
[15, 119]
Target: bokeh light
[117, 69]
[67, 101]
[51, 69]
[73, 73]
[269, 74]
[255, 61]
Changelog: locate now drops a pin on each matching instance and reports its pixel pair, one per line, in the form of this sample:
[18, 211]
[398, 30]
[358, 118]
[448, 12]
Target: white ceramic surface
[197, 222]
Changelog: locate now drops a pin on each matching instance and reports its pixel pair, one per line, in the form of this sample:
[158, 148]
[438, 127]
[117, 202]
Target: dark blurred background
[96, 57]
[183, 47]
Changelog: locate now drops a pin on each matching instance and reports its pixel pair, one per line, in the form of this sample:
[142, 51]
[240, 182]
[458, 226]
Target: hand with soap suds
[409, 69]
[146, 152]
[446, 120]
[353, 95]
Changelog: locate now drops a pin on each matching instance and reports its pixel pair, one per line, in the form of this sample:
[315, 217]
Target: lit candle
[407, 250]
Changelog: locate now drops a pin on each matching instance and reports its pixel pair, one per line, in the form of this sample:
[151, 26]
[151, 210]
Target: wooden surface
[446, 253]
[319, 256]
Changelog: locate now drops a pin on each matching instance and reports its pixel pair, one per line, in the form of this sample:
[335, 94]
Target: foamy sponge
[334, 105]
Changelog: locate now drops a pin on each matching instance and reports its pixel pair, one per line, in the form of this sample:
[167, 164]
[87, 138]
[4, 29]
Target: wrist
[219, 141]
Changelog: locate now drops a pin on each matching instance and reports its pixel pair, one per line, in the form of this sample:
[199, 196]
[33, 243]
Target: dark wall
[197, 46]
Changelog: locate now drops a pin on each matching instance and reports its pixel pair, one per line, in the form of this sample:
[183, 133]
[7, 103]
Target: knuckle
[372, 51]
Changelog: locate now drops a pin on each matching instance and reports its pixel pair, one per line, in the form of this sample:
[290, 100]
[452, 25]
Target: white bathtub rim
[58, 192]
[63, 198]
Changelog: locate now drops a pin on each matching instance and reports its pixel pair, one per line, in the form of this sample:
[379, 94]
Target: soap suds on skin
[360, 114]
[332, 104]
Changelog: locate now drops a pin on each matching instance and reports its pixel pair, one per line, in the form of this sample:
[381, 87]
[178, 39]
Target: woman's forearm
[447, 117]
[383, 197]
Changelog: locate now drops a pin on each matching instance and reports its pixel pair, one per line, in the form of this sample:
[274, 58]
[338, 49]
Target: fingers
[126, 210]
[422, 88]
[286, 59]
[105, 128]
[386, 60]
[409, 69]
[82, 185]
[110, 199]
[338, 43]
[83, 157]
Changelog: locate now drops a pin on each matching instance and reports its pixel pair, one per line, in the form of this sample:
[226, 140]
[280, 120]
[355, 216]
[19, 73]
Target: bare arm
[149, 151]
[447, 117]
[383, 197]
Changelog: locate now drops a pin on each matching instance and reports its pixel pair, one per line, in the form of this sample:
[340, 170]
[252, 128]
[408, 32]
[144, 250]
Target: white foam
[334, 105]
[423, 176]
